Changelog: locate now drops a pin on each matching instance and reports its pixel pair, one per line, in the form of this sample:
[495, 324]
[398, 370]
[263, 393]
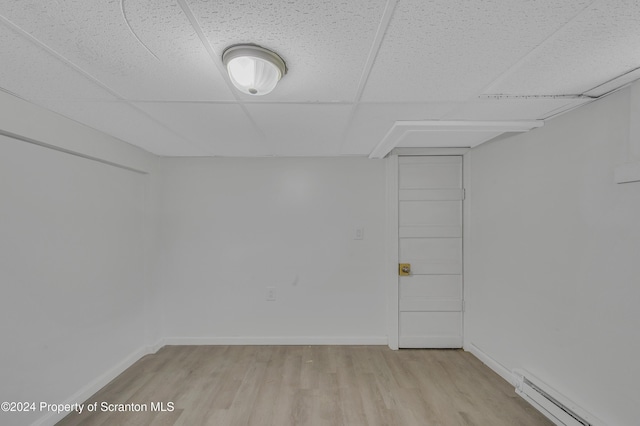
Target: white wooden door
[430, 198]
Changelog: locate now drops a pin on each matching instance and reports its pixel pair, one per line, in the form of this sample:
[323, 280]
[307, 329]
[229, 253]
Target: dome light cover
[254, 70]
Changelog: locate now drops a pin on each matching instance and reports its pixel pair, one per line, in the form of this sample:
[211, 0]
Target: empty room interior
[362, 212]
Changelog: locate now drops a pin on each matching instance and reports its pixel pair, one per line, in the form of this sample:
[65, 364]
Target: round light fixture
[254, 70]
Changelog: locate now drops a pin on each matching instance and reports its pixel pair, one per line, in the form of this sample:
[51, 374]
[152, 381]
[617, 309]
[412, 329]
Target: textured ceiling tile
[599, 45]
[127, 123]
[325, 43]
[142, 49]
[371, 122]
[436, 55]
[31, 72]
[509, 109]
[222, 129]
[451, 49]
[302, 130]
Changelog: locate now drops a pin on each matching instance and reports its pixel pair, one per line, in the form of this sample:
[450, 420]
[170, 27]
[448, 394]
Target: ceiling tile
[221, 129]
[599, 45]
[451, 49]
[32, 73]
[149, 71]
[371, 122]
[298, 130]
[146, 51]
[125, 122]
[325, 43]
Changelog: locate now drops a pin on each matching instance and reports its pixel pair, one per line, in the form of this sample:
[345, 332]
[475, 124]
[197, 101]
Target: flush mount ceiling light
[254, 70]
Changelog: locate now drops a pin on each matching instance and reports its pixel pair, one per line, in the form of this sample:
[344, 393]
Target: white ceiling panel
[511, 109]
[599, 45]
[121, 120]
[325, 43]
[451, 49]
[149, 71]
[302, 130]
[32, 73]
[221, 129]
[372, 121]
[144, 49]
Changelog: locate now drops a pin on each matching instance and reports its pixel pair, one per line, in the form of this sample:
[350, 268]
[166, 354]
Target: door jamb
[392, 252]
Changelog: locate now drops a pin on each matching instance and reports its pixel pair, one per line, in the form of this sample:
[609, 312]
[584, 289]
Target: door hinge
[464, 306]
[464, 193]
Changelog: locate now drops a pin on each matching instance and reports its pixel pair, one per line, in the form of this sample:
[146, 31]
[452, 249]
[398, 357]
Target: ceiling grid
[366, 71]
[215, 58]
[149, 72]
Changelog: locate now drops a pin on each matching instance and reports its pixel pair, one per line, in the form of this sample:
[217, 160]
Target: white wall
[230, 228]
[31, 122]
[73, 274]
[552, 252]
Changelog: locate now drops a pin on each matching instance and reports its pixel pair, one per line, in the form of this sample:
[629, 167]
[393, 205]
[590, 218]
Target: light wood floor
[311, 385]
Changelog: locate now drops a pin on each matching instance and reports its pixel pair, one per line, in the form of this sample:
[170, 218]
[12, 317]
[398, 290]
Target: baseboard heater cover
[551, 403]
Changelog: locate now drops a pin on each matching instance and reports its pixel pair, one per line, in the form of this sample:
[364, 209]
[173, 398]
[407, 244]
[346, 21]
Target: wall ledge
[22, 120]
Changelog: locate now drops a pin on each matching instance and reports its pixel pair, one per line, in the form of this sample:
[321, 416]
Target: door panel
[430, 239]
[430, 194]
[429, 304]
[430, 329]
[430, 173]
[430, 213]
[430, 231]
[434, 286]
[432, 255]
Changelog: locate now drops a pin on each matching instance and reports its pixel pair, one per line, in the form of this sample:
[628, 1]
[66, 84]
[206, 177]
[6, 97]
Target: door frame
[391, 277]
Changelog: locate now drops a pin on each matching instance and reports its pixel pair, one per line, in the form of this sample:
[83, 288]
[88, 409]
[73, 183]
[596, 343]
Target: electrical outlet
[359, 233]
[271, 294]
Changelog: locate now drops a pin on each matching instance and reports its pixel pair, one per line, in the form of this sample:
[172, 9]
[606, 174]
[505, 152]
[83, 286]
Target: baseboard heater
[549, 402]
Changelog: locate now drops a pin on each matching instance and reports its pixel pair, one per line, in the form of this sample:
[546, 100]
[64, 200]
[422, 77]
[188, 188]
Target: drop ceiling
[149, 72]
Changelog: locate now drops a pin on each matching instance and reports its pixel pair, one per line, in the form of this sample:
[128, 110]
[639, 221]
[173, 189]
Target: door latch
[404, 269]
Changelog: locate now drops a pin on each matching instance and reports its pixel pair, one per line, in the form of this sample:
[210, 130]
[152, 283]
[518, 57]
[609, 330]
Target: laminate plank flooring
[310, 385]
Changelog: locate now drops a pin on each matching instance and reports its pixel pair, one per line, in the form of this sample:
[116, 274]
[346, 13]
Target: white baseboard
[83, 394]
[491, 363]
[156, 347]
[278, 340]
